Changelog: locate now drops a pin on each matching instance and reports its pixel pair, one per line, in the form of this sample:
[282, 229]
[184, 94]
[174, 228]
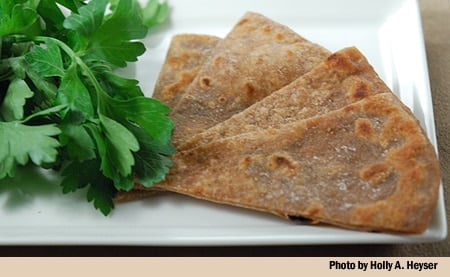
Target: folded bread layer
[367, 166]
[343, 78]
[186, 54]
[257, 57]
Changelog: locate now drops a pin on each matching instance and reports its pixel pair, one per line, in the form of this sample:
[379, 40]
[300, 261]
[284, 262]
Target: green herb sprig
[62, 106]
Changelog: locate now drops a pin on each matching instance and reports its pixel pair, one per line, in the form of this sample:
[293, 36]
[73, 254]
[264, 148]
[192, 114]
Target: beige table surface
[436, 26]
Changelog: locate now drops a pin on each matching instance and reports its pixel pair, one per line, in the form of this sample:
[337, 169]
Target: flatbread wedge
[343, 78]
[368, 165]
[257, 57]
[185, 56]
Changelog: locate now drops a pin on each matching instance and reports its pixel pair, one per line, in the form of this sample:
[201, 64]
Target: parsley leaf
[46, 62]
[77, 144]
[148, 113]
[16, 95]
[58, 87]
[155, 13]
[119, 144]
[16, 18]
[17, 149]
[113, 40]
[152, 159]
[119, 87]
[73, 92]
[88, 18]
[102, 193]
[79, 175]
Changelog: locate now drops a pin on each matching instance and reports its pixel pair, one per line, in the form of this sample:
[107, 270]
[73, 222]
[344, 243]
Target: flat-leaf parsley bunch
[62, 106]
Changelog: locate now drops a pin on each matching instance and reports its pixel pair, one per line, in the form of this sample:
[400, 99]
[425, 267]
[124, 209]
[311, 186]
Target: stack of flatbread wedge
[270, 121]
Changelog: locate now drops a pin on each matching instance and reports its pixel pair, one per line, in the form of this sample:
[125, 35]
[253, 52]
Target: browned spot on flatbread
[279, 160]
[376, 173]
[267, 29]
[279, 36]
[178, 61]
[222, 99]
[249, 89]
[205, 82]
[245, 163]
[289, 53]
[218, 60]
[408, 151]
[314, 210]
[242, 22]
[260, 60]
[185, 79]
[340, 61]
[282, 163]
[364, 128]
[360, 91]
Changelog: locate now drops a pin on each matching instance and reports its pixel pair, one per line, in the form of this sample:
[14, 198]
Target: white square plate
[34, 211]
